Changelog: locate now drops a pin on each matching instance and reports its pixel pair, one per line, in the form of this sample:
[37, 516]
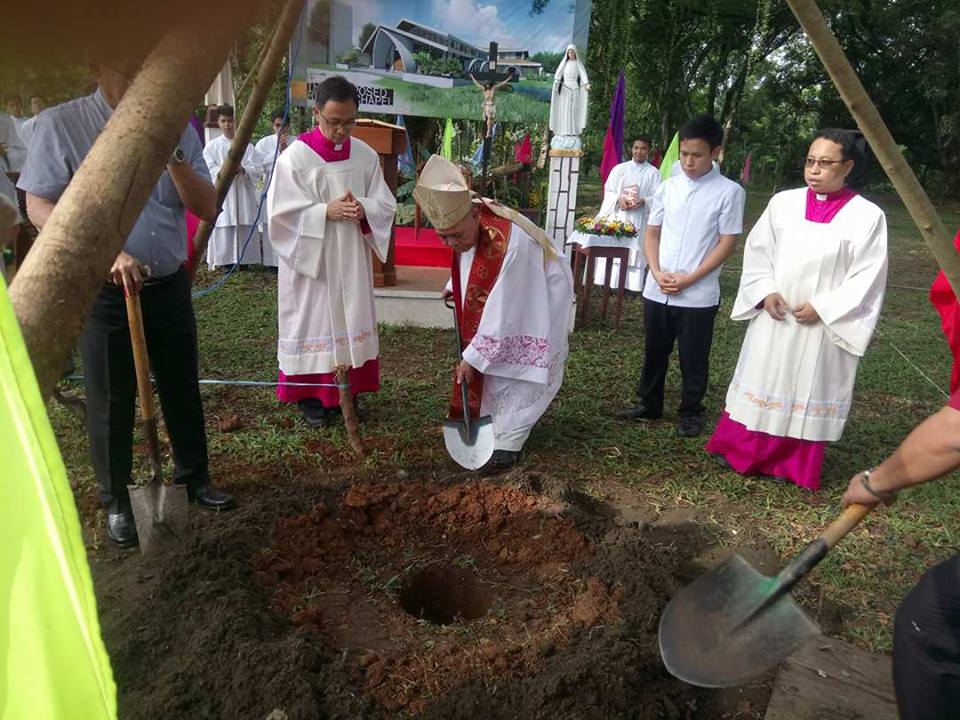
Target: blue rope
[292, 62]
[250, 383]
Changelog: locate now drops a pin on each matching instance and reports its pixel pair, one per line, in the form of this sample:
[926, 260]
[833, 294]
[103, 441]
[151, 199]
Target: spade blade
[726, 629]
[471, 451]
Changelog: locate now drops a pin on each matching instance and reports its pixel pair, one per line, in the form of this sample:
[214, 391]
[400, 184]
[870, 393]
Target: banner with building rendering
[414, 57]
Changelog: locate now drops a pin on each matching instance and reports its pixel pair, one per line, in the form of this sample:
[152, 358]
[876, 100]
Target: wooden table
[611, 249]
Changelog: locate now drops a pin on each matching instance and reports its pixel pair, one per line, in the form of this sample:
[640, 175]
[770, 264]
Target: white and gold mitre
[442, 193]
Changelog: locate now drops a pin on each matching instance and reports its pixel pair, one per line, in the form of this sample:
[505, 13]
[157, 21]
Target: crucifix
[489, 81]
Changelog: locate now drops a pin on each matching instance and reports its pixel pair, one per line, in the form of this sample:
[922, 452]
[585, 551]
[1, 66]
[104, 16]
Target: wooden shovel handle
[140, 358]
[847, 521]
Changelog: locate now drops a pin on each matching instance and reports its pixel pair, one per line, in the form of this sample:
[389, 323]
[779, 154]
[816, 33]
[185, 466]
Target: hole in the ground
[443, 594]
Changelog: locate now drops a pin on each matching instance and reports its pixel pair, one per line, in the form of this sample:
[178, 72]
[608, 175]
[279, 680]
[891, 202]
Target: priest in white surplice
[330, 211]
[627, 194]
[234, 233]
[514, 297]
[814, 272]
[268, 149]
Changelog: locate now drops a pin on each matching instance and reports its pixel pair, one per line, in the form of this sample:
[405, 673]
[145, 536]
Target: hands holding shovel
[465, 373]
[129, 273]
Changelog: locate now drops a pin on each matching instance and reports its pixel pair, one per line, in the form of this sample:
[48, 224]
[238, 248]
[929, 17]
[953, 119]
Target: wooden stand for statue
[389, 141]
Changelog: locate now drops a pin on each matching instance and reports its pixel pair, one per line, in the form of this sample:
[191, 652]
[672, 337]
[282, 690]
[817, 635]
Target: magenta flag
[613, 142]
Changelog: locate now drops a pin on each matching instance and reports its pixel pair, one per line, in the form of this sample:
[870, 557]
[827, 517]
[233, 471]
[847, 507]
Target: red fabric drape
[946, 305]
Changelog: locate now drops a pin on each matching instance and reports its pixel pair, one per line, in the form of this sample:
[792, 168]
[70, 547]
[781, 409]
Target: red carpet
[424, 251]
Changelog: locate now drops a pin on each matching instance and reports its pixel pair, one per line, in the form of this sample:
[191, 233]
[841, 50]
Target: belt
[152, 282]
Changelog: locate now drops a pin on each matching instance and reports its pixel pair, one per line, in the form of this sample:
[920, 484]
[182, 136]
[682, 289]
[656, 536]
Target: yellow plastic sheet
[53, 664]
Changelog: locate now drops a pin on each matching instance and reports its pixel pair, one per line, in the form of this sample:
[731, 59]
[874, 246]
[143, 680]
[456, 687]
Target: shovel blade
[161, 513]
[716, 632]
[469, 450]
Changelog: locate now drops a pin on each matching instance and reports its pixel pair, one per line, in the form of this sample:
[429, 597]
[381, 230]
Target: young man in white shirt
[695, 218]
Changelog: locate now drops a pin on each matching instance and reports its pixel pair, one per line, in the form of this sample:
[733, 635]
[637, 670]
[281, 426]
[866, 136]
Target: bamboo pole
[60, 277]
[267, 73]
[868, 119]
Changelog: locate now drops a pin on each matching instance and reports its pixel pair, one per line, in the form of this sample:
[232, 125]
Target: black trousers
[692, 329]
[926, 646]
[111, 384]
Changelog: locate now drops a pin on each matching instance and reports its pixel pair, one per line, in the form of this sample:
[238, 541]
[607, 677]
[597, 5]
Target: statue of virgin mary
[568, 105]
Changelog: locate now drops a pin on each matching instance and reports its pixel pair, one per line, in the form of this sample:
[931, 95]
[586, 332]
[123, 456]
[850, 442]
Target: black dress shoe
[639, 412]
[503, 460]
[360, 409]
[721, 461]
[209, 498]
[690, 426]
[314, 413]
[121, 529]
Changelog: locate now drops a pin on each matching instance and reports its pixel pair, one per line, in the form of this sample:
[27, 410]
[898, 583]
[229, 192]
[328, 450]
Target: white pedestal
[562, 196]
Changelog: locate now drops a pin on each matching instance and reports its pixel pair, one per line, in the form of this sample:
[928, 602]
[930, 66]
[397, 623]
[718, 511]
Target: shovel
[160, 511]
[732, 624]
[469, 441]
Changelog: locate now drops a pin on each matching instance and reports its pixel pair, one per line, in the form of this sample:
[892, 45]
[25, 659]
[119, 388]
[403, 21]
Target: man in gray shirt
[62, 137]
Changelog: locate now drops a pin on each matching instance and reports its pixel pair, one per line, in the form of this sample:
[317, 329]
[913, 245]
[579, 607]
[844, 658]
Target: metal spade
[161, 511]
[469, 441]
[732, 624]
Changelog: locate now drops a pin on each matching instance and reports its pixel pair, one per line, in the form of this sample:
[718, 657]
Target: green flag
[53, 664]
[446, 150]
[670, 157]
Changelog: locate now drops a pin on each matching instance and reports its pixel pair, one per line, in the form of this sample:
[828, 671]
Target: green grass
[578, 439]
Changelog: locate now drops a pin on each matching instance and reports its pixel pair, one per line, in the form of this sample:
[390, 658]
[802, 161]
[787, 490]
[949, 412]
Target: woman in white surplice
[568, 109]
[814, 272]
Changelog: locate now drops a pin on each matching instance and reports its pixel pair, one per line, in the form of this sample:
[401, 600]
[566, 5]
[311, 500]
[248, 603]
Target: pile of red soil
[358, 605]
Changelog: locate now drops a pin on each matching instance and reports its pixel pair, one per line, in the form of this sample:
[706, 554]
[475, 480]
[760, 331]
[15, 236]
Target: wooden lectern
[389, 141]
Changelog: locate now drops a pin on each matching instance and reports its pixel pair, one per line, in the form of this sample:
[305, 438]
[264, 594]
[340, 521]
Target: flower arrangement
[603, 226]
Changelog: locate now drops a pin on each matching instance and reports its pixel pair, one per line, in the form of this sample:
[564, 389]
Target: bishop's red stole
[484, 270]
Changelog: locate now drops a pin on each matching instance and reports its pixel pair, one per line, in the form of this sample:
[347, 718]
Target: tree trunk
[66, 268]
[277, 47]
[868, 119]
[731, 103]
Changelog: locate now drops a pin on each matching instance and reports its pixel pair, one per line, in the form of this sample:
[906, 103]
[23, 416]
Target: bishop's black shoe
[503, 460]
